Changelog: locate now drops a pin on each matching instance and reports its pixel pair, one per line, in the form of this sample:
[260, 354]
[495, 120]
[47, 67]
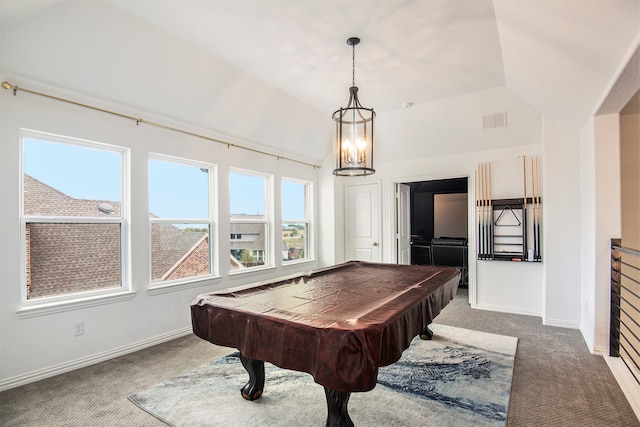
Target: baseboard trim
[626, 381]
[561, 323]
[61, 368]
[527, 312]
[600, 350]
[510, 310]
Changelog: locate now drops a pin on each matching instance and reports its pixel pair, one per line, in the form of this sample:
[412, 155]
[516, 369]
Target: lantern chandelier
[354, 131]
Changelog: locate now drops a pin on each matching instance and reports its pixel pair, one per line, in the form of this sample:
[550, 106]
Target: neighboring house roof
[94, 248]
[169, 245]
[195, 262]
[42, 200]
[252, 234]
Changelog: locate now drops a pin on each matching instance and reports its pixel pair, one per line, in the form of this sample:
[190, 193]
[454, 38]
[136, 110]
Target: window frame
[64, 302]
[211, 221]
[307, 220]
[267, 222]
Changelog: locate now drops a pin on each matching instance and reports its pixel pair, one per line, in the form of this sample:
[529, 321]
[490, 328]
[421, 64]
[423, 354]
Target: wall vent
[494, 120]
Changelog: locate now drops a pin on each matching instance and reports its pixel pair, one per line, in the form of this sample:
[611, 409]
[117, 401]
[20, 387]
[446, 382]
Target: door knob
[375, 243]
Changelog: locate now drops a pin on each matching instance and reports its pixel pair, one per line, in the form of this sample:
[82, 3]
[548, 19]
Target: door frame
[402, 221]
[471, 222]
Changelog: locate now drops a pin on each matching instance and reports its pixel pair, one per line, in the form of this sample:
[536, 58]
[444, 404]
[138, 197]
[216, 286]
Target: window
[181, 219]
[250, 220]
[295, 222]
[73, 217]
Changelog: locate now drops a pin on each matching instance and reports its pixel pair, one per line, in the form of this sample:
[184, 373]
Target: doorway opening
[439, 223]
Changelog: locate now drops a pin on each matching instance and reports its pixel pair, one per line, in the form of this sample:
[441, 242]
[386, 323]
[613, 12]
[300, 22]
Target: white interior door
[362, 223]
[403, 224]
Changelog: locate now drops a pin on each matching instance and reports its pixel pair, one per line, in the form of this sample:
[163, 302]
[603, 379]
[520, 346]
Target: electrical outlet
[78, 329]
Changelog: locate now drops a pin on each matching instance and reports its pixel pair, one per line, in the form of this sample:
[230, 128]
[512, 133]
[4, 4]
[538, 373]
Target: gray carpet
[460, 378]
[556, 381]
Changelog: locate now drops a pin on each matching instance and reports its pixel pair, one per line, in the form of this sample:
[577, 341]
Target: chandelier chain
[353, 68]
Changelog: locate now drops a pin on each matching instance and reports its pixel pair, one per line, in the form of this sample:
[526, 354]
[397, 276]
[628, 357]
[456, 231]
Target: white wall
[587, 231]
[95, 50]
[454, 126]
[552, 289]
[502, 286]
[561, 224]
[110, 60]
[608, 220]
[600, 222]
[78, 65]
[630, 176]
[39, 346]
[494, 285]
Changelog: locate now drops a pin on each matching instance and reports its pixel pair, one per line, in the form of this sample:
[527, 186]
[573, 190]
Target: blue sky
[246, 194]
[176, 190]
[292, 200]
[79, 172]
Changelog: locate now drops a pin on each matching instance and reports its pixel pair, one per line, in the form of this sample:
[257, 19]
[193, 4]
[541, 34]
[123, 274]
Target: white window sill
[46, 308]
[252, 271]
[158, 289]
[297, 262]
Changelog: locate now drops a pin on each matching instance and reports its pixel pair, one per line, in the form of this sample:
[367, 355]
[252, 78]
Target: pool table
[339, 324]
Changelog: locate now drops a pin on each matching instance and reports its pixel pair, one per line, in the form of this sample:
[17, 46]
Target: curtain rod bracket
[7, 85]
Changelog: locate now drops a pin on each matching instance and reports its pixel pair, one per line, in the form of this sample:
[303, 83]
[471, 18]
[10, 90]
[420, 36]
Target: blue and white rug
[460, 378]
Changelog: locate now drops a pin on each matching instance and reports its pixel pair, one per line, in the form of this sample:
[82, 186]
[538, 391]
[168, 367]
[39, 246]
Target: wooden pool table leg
[337, 415]
[427, 334]
[253, 389]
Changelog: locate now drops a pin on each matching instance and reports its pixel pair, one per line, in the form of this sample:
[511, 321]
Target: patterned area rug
[460, 378]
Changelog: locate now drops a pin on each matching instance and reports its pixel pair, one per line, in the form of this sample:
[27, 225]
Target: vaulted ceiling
[559, 56]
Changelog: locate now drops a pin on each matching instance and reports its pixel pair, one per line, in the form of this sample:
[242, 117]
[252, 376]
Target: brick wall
[196, 263]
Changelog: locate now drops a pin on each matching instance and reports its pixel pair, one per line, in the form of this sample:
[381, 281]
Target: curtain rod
[7, 85]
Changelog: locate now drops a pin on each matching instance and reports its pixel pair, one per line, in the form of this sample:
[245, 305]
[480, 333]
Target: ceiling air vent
[495, 120]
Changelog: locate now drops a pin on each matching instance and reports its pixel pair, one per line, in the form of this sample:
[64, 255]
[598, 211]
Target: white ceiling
[560, 56]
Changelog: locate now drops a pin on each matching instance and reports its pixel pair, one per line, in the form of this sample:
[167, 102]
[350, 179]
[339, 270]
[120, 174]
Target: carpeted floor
[556, 381]
[461, 378]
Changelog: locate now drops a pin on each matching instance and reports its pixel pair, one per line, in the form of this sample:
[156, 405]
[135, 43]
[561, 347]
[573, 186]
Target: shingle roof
[169, 244]
[43, 200]
[65, 258]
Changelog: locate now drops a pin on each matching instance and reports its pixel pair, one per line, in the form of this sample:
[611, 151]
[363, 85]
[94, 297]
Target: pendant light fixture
[354, 131]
